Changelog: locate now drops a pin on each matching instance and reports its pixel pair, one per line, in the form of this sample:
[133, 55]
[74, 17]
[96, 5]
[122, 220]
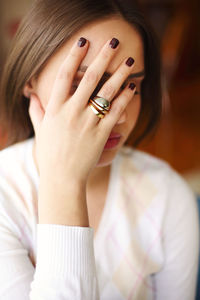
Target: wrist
[63, 203]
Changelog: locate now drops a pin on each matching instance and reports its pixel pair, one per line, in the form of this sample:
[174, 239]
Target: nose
[122, 118]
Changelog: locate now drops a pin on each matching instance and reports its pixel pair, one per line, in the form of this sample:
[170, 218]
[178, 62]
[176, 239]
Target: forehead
[99, 32]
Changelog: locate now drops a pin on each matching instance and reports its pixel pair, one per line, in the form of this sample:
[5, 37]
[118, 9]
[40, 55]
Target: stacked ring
[97, 113]
[99, 106]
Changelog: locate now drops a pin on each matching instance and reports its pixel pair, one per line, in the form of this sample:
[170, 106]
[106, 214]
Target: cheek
[45, 82]
[133, 111]
[44, 89]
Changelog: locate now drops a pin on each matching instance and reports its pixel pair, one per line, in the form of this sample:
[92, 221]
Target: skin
[90, 195]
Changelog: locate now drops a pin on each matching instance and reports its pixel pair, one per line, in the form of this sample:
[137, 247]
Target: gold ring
[99, 108]
[97, 113]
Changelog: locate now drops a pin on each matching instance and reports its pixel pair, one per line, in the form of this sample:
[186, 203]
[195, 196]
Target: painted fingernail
[131, 86]
[82, 41]
[130, 61]
[114, 43]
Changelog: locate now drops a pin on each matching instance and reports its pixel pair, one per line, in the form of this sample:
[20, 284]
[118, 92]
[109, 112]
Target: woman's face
[97, 34]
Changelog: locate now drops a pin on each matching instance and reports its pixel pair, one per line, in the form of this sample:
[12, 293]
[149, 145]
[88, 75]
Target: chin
[107, 157]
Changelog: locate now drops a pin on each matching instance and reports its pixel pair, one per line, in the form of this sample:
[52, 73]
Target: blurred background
[177, 24]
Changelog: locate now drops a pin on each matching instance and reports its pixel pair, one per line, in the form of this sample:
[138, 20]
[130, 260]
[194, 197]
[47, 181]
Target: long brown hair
[46, 27]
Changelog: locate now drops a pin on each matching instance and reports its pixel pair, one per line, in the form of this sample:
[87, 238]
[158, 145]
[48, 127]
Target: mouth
[112, 141]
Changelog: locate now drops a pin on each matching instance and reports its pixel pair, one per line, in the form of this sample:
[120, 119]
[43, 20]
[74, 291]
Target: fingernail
[114, 43]
[82, 41]
[131, 86]
[130, 61]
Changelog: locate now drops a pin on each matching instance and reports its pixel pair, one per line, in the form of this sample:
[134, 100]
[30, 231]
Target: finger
[92, 118]
[94, 72]
[118, 106]
[36, 112]
[62, 85]
[112, 85]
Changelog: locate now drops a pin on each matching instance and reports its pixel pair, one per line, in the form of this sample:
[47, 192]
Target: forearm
[65, 266]
[62, 203]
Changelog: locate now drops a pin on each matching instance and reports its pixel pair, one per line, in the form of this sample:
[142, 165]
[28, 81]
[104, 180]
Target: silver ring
[102, 102]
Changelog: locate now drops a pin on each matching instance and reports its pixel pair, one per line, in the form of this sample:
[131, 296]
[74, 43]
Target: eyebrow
[107, 74]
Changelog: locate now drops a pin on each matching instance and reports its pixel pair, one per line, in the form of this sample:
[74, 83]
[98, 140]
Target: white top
[146, 246]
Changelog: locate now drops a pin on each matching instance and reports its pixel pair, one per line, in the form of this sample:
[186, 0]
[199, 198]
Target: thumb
[36, 112]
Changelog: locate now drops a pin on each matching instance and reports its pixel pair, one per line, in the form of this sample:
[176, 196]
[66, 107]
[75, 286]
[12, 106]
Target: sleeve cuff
[65, 250]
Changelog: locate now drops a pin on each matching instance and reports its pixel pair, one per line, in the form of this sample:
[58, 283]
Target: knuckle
[74, 55]
[108, 91]
[122, 73]
[126, 97]
[65, 74]
[91, 76]
[118, 109]
[105, 54]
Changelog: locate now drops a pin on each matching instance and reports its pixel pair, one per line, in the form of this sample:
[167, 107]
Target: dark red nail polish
[131, 86]
[130, 61]
[114, 43]
[82, 41]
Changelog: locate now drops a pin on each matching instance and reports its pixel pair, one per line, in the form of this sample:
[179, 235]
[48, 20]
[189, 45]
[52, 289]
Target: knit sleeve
[65, 267]
[177, 279]
[16, 269]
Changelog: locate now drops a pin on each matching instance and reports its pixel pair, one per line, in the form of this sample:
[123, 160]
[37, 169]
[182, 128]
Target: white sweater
[146, 246]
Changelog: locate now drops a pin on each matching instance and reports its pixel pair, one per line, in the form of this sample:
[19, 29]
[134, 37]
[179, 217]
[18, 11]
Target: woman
[83, 216]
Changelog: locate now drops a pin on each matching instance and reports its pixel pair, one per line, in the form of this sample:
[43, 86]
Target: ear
[28, 89]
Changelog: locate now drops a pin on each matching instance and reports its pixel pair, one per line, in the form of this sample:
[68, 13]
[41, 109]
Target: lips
[114, 135]
[113, 140]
